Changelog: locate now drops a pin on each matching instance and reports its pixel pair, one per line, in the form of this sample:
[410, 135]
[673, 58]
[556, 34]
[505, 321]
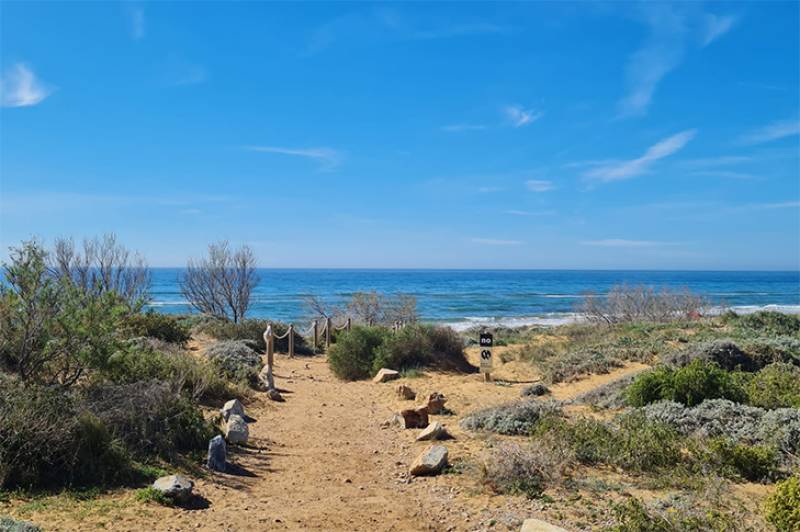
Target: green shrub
[767, 322]
[353, 355]
[775, 386]
[750, 462]
[162, 326]
[410, 347]
[235, 360]
[46, 441]
[150, 494]
[685, 516]
[689, 385]
[774, 349]
[783, 506]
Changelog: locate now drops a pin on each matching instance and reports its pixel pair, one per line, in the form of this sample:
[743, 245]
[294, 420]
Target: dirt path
[321, 461]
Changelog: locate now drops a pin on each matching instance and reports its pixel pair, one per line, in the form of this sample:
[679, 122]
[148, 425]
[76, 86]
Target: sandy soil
[321, 461]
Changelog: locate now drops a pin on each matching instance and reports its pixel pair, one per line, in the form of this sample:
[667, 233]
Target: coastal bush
[610, 395]
[782, 508]
[46, 441]
[724, 353]
[750, 462]
[625, 304]
[514, 418]
[775, 386]
[765, 322]
[567, 367]
[773, 349]
[525, 470]
[408, 347]
[669, 516]
[161, 326]
[235, 360]
[353, 355]
[252, 332]
[8, 524]
[690, 385]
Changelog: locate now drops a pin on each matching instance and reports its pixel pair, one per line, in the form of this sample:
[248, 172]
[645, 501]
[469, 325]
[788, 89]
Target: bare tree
[320, 309]
[625, 303]
[374, 308]
[222, 283]
[103, 265]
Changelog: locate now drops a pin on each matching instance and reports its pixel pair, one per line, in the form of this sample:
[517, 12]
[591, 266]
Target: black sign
[486, 339]
[486, 355]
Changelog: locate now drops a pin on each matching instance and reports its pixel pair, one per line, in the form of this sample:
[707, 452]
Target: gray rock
[434, 431]
[236, 430]
[232, 407]
[385, 375]
[176, 487]
[217, 454]
[430, 462]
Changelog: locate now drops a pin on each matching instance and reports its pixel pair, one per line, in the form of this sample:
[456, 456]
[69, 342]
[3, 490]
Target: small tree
[374, 308]
[101, 266]
[222, 283]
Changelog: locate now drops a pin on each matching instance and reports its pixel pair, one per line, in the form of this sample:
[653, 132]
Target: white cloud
[530, 213]
[327, 157]
[774, 131]
[519, 116]
[495, 242]
[716, 26]
[628, 169]
[539, 185]
[21, 88]
[623, 243]
[458, 128]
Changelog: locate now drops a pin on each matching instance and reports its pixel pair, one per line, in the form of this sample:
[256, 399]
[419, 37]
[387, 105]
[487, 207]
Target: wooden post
[316, 335]
[327, 333]
[291, 341]
[270, 358]
[347, 324]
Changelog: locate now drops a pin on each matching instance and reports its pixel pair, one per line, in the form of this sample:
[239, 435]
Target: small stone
[232, 407]
[395, 421]
[415, 418]
[434, 431]
[176, 487]
[236, 431]
[217, 454]
[274, 395]
[406, 393]
[436, 403]
[537, 525]
[430, 462]
[385, 375]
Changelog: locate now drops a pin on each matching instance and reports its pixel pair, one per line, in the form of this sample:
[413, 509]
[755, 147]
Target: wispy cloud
[20, 87]
[518, 116]
[530, 213]
[725, 174]
[774, 131]
[459, 128]
[624, 243]
[136, 21]
[716, 26]
[328, 158]
[539, 185]
[711, 162]
[496, 242]
[635, 167]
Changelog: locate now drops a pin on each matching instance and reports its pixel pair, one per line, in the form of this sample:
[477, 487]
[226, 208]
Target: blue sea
[463, 298]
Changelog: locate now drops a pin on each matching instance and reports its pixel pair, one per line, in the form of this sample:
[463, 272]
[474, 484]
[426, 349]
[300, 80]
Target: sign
[486, 342]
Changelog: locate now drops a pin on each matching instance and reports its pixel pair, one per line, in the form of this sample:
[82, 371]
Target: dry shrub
[625, 304]
[527, 470]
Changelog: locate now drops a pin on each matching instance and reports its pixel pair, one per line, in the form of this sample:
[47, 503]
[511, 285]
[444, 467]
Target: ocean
[464, 298]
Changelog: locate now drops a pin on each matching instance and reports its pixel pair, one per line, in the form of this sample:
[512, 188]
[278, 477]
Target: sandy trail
[321, 461]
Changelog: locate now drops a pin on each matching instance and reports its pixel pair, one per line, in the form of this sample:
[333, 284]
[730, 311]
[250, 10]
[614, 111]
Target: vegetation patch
[235, 360]
[519, 417]
[783, 506]
[689, 385]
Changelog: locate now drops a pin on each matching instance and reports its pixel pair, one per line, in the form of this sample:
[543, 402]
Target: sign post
[486, 342]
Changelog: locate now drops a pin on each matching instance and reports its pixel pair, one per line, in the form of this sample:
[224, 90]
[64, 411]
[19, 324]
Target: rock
[434, 431]
[405, 392]
[415, 418]
[436, 403]
[176, 487]
[217, 454]
[274, 395]
[537, 389]
[395, 421]
[236, 431]
[430, 462]
[385, 375]
[537, 525]
[232, 407]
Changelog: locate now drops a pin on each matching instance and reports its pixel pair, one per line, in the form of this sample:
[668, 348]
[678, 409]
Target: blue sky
[535, 135]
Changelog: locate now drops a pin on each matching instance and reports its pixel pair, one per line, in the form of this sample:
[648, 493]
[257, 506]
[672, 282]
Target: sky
[407, 135]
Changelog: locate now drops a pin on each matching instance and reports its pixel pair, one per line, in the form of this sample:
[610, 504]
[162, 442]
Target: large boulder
[217, 454]
[434, 431]
[176, 487]
[385, 375]
[232, 407]
[537, 525]
[430, 462]
[406, 393]
[236, 430]
[436, 403]
[415, 418]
